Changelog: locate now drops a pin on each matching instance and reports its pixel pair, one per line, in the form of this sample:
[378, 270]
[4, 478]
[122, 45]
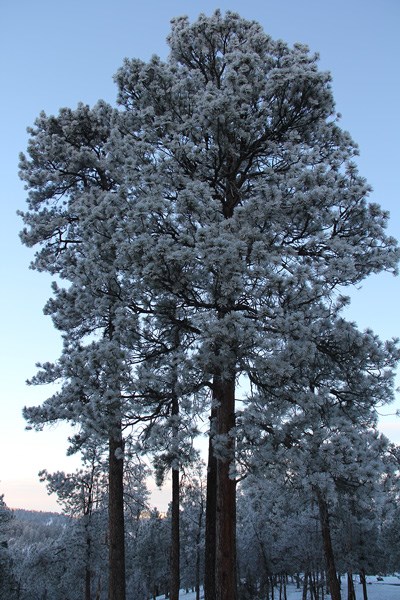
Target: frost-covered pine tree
[193, 499]
[74, 207]
[168, 382]
[227, 186]
[253, 210]
[8, 587]
[277, 534]
[79, 216]
[390, 544]
[80, 494]
[320, 428]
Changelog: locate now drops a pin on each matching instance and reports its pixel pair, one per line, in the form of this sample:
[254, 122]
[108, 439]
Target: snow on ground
[387, 589]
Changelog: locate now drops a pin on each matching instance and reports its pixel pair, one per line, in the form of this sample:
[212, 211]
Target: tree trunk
[88, 538]
[265, 586]
[198, 553]
[364, 584]
[328, 550]
[211, 514]
[313, 591]
[225, 556]
[285, 587]
[322, 584]
[98, 590]
[116, 526]
[305, 586]
[351, 594]
[175, 547]
[88, 593]
[174, 575]
[88, 557]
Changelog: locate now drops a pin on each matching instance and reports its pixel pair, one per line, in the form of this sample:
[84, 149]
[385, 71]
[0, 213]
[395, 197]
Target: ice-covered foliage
[329, 381]
[254, 208]
[203, 231]
[223, 185]
[5, 513]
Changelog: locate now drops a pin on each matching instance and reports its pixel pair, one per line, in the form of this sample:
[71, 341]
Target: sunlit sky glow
[55, 54]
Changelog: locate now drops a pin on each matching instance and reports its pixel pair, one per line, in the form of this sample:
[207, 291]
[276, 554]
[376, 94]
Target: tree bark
[88, 593]
[116, 525]
[211, 514]
[328, 550]
[87, 517]
[198, 553]
[88, 574]
[364, 584]
[351, 594]
[174, 580]
[175, 546]
[225, 556]
[305, 586]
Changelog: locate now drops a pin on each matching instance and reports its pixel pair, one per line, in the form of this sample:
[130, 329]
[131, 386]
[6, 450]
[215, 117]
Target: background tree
[321, 427]
[42, 547]
[8, 586]
[168, 381]
[279, 535]
[152, 556]
[193, 503]
[80, 494]
[390, 539]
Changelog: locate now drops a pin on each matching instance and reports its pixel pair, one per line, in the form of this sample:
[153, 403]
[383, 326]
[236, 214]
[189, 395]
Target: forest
[203, 236]
[280, 547]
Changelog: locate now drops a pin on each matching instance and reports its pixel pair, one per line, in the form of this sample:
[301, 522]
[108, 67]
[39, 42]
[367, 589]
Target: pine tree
[321, 428]
[253, 211]
[79, 494]
[223, 183]
[71, 199]
[8, 586]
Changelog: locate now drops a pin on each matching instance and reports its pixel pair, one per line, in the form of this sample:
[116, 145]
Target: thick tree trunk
[334, 585]
[211, 515]
[175, 547]
[225, 556]
[116, 525]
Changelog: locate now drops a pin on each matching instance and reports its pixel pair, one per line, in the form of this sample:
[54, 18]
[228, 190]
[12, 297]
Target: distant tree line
[280, 539]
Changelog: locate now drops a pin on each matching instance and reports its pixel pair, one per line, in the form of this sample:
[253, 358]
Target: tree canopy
[204, 231]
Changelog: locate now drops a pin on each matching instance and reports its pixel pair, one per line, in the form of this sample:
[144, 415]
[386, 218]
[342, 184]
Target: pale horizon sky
[58, 54]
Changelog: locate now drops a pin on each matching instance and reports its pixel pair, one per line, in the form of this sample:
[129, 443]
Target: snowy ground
[388, 589]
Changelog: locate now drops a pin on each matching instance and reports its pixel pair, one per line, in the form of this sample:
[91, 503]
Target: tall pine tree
[224, 183]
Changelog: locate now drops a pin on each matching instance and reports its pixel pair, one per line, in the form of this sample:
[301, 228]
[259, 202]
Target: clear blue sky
[55, 54]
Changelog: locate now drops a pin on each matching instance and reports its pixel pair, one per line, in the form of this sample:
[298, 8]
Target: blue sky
[55, 54]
